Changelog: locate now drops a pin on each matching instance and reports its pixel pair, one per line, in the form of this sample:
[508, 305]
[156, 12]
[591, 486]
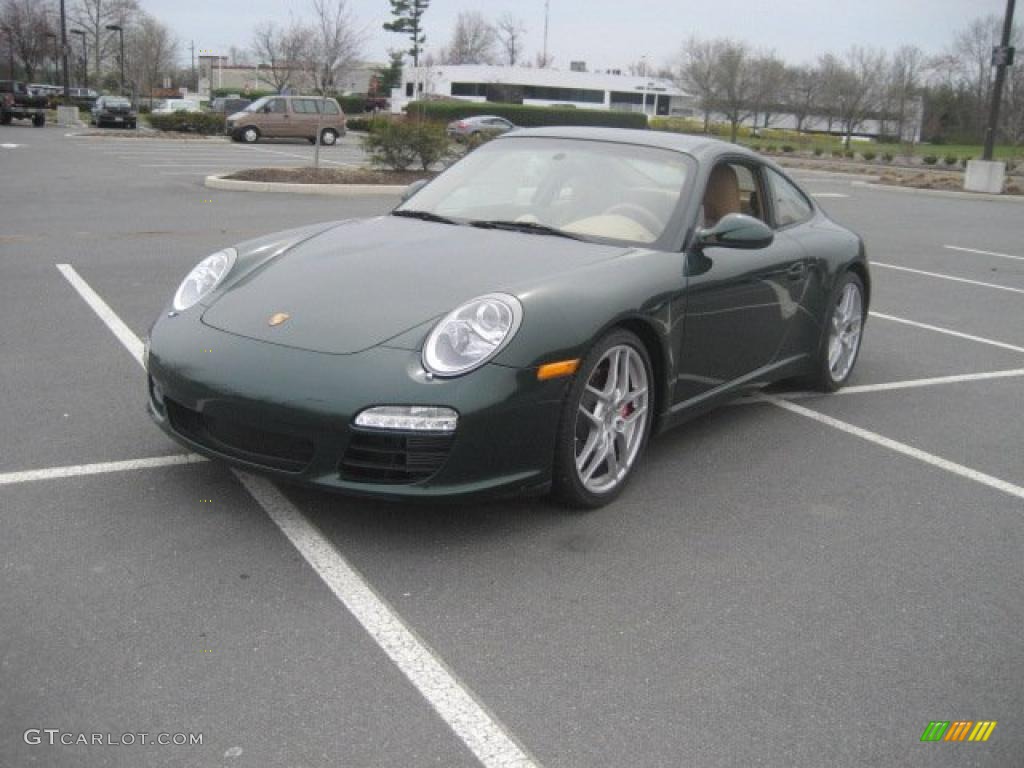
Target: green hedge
[207, 123]
[525, 116]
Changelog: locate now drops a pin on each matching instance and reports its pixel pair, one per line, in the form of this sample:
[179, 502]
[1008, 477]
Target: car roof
[702, 147]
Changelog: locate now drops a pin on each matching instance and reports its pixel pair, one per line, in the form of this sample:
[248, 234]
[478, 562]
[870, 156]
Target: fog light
[417, 418]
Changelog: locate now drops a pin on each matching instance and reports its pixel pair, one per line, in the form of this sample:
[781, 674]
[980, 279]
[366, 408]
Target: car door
[740, 303]
[274, 121]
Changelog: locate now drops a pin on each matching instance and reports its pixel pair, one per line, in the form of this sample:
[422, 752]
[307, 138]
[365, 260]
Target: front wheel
[328, 137]
[605, 422]
[841, 337]
[39, 120]
[250, 135]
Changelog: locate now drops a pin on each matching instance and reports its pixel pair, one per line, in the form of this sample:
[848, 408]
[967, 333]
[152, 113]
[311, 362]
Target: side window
[791, 207]
[277, 106]
[732, 188]
[301, 106]
[330, 107]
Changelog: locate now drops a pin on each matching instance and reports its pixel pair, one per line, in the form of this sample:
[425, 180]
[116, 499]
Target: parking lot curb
[947, 193]
[337, 190]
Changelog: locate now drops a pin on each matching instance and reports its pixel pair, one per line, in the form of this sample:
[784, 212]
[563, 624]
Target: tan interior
[722, 195]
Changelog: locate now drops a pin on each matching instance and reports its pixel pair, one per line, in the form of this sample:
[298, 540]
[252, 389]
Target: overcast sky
[613, 33]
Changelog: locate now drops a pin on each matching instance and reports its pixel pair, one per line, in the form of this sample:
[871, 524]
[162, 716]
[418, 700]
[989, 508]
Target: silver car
[469, 126]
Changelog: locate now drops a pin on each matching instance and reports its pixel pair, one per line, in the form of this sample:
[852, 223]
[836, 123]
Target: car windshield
[592, 189]
[257, 105]
[117, 102]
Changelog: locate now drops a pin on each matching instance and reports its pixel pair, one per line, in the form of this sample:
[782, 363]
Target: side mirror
[736, 230]
[413, 188]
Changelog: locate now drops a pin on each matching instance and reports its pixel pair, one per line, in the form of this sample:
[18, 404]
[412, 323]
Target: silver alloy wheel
[612, 419]
[251, 135]
[844, 335]
[328, 137]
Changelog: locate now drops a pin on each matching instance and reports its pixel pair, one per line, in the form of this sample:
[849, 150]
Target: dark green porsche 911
[523, 322]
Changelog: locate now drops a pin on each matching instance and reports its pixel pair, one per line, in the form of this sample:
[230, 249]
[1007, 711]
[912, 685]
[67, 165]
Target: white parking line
[454, 702]
[947, 331]
[78, 470]
[898, 447]
[947, 277]
[123, 333]
[983, 253]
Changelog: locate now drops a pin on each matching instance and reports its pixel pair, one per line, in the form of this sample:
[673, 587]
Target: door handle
[797, 271]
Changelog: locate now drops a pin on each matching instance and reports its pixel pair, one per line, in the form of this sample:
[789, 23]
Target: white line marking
[31, 475]
[948, 332]
[198, 165]
[456, 704]
[983, 253]
[123, 333]
[828, 194]
[480, 731]
[947, 277]
[903, 448]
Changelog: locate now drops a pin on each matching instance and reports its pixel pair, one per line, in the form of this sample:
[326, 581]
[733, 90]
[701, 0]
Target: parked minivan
[288, 117]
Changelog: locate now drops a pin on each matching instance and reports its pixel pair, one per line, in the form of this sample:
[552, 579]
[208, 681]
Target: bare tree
[904, 83]
[280, 51]
[801, 94]
[472, 40]
[93, 16]
[28, 25]
[768, 76]
[698, 65]
[734, 83]
[151, 53]
[830, 75]
[510, 31]
[860, 84]
[335, 44]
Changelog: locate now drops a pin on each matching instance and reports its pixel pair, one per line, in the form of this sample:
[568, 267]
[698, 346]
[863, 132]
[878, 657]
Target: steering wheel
[639, 214]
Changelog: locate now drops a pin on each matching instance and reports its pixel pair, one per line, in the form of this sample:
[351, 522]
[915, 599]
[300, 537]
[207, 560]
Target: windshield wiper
[525, 226]
[425, 216]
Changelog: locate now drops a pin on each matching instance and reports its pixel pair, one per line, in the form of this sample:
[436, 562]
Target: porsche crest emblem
[277, 318]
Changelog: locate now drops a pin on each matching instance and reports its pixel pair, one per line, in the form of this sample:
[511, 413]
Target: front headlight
[204, 278]
[472, 334]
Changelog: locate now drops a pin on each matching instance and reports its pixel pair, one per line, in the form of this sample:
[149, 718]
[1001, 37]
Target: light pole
[120, 31]
[85, 55]
[1002, 57]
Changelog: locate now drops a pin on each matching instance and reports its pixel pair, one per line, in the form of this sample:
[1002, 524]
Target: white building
[543, 87]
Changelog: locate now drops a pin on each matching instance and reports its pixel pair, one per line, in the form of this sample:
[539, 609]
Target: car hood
[357, 285]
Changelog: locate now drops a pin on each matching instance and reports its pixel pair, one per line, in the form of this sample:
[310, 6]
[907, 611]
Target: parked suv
[288, 117]
[17, 102]
[113, 110]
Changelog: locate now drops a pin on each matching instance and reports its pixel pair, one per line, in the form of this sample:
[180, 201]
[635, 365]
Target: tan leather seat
[722, 195]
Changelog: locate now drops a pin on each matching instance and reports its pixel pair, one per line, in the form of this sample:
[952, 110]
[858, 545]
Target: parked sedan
[115, 111]
[523, 322]
[461, 130]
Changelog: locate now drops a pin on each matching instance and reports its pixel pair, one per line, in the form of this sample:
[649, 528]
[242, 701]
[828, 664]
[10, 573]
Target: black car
[115, 111]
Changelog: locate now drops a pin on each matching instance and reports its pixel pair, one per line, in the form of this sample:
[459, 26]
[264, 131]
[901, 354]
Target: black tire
[328, 137]
[250, 134]
[822, 377]
[39, 120]
[311, 140]
[5, 119]
[567, 486]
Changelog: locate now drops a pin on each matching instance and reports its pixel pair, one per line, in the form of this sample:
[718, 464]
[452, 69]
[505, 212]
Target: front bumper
[289, 413]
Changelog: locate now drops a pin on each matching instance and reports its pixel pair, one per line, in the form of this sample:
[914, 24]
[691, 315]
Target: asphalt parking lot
[796, 580]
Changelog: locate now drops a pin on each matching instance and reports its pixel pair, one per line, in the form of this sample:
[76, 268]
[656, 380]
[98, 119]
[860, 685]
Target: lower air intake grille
[400, 458]
[244, 441]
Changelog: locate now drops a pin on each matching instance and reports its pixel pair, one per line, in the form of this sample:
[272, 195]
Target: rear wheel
[39, 120]
[250, 135]
[328, 137]
[5, 119]
[841, 337]
[605, 422]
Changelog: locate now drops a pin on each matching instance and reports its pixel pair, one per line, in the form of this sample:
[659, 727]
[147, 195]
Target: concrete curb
[947, 193]
[337, 190]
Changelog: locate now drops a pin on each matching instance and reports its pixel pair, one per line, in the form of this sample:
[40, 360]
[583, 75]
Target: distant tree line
[733, 82]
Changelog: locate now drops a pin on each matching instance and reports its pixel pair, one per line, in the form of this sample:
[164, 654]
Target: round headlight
[206, 275]
[472, 334]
